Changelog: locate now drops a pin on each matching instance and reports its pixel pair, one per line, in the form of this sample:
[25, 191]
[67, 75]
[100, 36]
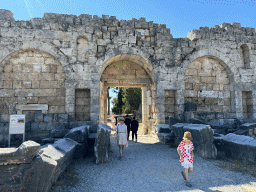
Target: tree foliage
[127, 101]
[131, 99]
[118, 102]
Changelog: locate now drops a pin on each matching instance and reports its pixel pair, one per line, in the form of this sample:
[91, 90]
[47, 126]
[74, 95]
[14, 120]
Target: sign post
[16, 126]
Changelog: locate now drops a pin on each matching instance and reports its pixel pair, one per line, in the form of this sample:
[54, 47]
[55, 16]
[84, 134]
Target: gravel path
[150, 166]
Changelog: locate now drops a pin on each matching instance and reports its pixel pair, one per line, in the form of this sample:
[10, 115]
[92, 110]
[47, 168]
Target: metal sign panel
[17, 124]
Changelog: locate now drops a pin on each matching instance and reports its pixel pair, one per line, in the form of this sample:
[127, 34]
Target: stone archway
[127, 70]
[209, 89]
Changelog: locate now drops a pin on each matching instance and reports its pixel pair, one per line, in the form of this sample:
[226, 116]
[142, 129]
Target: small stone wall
[240, 147]
[202, 138]
[29, 168]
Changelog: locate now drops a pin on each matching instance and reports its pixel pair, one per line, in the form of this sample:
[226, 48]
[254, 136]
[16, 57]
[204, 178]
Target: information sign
[17, 124]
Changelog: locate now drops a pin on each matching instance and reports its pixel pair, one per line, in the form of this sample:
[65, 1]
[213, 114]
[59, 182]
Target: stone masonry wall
[31, 77]
[207, 86]
[169, 103]
[74, 52]
[125, 72]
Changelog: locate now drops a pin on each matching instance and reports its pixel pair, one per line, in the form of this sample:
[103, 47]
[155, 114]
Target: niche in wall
[82, 104]
[247, 104]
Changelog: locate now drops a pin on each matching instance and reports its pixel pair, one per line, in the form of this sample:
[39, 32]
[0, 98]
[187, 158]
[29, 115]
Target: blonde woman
[121, 130]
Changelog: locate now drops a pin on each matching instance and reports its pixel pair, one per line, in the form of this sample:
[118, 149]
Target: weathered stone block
[78, 134]
[240, 147]
[59, 132]
[202, 138]
[39, 117]
[102, 144]
[48, 117]
[161, 128]
[24, 154]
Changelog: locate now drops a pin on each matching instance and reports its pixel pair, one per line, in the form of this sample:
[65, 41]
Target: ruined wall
[207, 85]
[32, 77]
[84, 47]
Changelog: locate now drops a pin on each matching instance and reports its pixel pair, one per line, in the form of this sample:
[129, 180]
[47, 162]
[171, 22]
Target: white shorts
[187, 165]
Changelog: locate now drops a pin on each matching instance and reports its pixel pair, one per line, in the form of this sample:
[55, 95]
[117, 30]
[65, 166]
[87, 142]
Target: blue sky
[180, 16]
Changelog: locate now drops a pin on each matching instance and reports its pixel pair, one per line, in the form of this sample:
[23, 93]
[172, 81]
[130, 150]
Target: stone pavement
[150, 166]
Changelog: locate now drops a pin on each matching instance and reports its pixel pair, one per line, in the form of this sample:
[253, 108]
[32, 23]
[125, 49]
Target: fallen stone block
[178, 132]
[241, 132]
[59, 133]
[23, 154]
[164, 128]
[81, 150]
[240, 147]
[225, 124]
[202, 138]
[78, 134]
[207, 151]
[165, 138]
[49, 164]
[40, 172]
[102, 144]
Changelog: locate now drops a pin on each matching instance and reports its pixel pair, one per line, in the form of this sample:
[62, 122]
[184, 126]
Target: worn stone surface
[202, 138]
[42, 171]
[240, 147]
[80, 135]
[247, 129]
[162, 133]
[102, 144]
[59, 132]
[161, 128]
[23, 154]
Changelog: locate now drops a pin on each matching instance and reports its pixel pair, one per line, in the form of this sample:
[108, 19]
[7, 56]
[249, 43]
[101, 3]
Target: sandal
[188, 184]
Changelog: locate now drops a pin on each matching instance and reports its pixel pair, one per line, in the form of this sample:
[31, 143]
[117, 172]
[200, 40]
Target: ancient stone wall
[207, 85]
[32, 77]
[56, 56]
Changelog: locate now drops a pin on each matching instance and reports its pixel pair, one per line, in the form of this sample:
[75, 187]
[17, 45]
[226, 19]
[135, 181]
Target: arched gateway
[127, 70]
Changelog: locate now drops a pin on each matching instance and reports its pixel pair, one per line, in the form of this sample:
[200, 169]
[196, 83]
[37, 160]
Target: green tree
[118, 102]
[131, 99]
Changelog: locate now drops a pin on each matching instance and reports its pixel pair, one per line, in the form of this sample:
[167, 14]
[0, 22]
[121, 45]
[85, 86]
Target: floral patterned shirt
[186, 151]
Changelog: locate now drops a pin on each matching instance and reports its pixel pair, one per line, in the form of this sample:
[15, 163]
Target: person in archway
[134, 128]
[114, 121]
[127, 122]
[121, 130]
[185, 150]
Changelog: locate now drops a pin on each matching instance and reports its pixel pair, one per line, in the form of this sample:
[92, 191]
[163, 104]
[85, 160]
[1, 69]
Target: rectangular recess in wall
[170, 103]
[82, 104]
[247, 104]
